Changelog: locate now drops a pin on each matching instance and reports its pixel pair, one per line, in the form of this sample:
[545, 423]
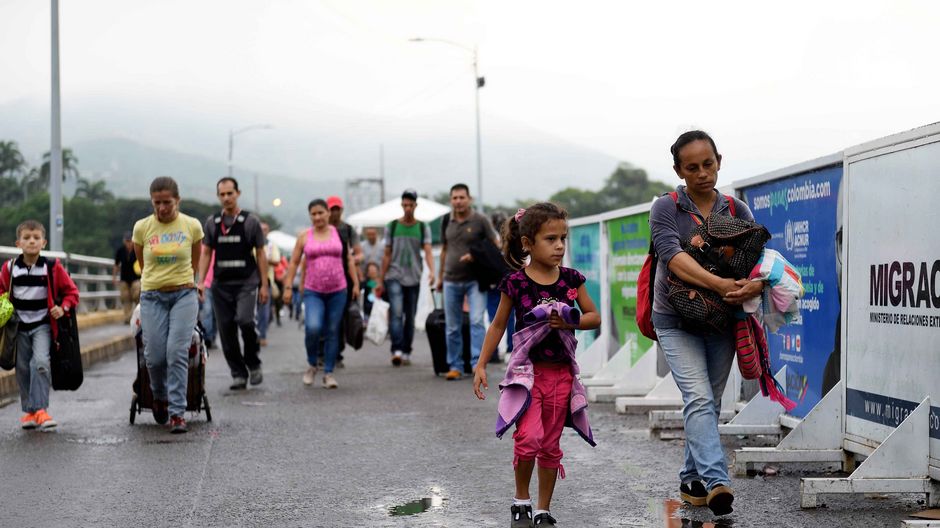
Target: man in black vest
[236, 238]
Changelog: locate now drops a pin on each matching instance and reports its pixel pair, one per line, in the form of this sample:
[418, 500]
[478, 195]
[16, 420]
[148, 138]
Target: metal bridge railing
[92, 275]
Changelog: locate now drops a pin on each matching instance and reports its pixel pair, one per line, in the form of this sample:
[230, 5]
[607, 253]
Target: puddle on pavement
[98, 441]
[254, 403]
[673, 515]
[434, 502]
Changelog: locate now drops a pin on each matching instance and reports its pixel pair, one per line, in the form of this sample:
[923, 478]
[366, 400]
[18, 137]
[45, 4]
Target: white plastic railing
[92, 275]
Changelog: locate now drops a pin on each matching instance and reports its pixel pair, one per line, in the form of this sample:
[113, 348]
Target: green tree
[32, 184]
[578, 202]
[10, 191]
[96, 192]
[13, 168]
[12, 163]
[69, 166]
[95, 221]
[36, 207]
[37, 179]
[627, 185]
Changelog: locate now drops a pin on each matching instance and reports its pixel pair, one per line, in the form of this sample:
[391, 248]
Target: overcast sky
[775, 83]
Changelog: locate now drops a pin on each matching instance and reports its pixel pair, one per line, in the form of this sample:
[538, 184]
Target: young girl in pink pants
[541, 390]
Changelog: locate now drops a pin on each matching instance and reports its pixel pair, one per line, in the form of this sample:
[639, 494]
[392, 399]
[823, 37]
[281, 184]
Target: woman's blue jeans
[323, 313]
[700, 365]
[167, 320]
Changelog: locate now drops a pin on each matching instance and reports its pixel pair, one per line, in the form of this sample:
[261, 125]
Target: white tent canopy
[380, 215]
[283, 241]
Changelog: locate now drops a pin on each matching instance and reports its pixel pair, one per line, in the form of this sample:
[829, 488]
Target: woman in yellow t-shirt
[167, 243]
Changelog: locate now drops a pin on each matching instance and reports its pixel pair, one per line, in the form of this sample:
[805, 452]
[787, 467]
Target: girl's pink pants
[539, 430]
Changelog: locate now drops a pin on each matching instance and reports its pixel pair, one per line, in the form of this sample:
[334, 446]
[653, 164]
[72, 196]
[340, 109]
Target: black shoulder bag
[65, 357]
[8, 333]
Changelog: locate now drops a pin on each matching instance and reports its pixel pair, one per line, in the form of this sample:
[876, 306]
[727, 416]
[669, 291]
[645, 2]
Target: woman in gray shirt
[700, 363]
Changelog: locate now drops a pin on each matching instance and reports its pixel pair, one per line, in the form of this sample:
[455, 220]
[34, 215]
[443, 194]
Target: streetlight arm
[479, 82]
[231, 146]
[250, 127]
[445, 41]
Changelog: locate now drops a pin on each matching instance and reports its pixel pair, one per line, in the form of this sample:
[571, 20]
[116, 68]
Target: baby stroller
[196, 399]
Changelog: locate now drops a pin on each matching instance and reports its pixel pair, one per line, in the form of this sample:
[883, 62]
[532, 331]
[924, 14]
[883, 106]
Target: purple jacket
[516, 387]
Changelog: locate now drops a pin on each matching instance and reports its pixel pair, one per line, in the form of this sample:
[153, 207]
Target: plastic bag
[425, 301]
[377, 330]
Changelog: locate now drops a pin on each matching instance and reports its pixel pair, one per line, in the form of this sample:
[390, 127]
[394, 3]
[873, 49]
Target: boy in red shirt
[27, 279]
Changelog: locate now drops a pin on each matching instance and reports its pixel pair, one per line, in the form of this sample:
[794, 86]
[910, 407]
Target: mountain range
[127, 142]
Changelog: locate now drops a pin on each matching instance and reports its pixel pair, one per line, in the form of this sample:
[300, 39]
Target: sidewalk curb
[93, 319]
[91, 354]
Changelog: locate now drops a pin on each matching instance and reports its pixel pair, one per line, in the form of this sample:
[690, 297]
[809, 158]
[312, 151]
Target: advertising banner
[892, 360]
[584, 251]
[629, 240]
[800, 211]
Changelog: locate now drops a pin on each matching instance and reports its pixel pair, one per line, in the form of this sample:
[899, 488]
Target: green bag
[6, 308]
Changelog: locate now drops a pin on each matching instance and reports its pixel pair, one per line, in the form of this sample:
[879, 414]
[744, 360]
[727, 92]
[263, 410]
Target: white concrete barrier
[593, 359]
[613, 369]
[636, 380]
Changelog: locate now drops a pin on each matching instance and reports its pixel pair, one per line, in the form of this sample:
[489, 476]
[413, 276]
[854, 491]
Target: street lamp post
[231, 147]
[56, 216]
[479, 82]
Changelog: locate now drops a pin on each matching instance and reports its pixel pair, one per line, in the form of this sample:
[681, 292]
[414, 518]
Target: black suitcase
[435, 326]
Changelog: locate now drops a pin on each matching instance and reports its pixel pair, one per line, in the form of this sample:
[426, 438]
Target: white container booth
[620, 364]
[888, 402]
[617, 360]
[799, 206]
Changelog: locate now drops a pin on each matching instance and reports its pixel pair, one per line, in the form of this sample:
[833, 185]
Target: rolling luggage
[437, 338]
[196, 399]
[435, 326]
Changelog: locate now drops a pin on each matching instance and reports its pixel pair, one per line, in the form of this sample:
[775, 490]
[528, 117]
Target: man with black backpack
[400, 275]
[349, 237]
[458, 279]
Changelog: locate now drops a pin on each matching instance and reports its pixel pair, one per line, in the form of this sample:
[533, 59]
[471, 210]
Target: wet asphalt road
[284, 454]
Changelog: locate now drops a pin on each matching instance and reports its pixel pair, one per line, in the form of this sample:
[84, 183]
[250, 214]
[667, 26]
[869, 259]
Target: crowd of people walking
[225, 275]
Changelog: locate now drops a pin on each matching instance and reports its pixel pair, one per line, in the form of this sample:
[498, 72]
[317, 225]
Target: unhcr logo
[796, 235]
[788, 235]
